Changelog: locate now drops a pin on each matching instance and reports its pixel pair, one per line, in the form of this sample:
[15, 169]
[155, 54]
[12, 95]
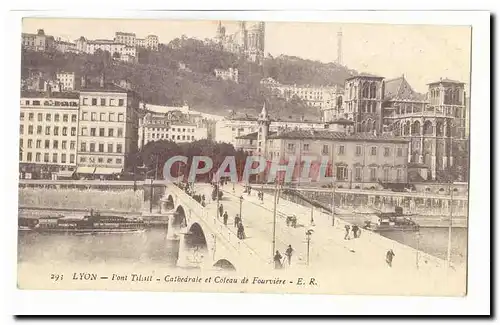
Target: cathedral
[249, 40]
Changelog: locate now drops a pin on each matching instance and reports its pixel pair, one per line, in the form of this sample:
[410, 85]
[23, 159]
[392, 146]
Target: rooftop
[341, 136]
[446, 80]
[254, 135]
[108, 88]
[41, 94]
[400, 89]
[365, 75]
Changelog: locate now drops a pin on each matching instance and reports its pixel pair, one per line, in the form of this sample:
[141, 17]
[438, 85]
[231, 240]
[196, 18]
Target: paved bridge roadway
[329, 252]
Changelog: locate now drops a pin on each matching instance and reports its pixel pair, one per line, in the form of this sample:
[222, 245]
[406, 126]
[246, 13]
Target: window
[63, 158]
[398, 175]
[39, 117]
[400, 152]
[38, 144]
[387, 151]
[72, 159]
[101, 132]
[85, 116]
[21, 129]
[21, 143]
[110, 147]
[306, 147]
[109, 160]
[120, 102]
[46, 157]
[111, 117]
[65, 118]
[118, 160]
[119, 148]
[111, 102]
[55, 144]
[386, 174]
[120, 132]
[357, 174]
[103, 101]
[37, 157]
[54, 157]
[85, 101]
[101, 147]
[358, 150]
[56, 130]
[29, 157]
[92, 132]
[183, 137]
[291, 147]
[374, 151]
[83, 146]
[120, 117]
[341, 149]
[47, 144]
[56, 117]
[100, 160]
[21, 116]
[94, 101]
[31, 116]
[92, 147]
[93, 116]
[341, 173]
[30, 129]
[73, 131]
[83, 159]
[39, 129]
[73, 118]
[102, 116]
[47, 130]
[63, 144]
[64, 131]
[110, 132]
[325, 149]
[72, 145]
[48, 117]
[30, 143]
[373, 174]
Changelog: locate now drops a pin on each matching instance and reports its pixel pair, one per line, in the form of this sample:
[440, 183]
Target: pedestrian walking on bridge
[225, 216]
[355, 231]
[221, 209]
[347, 228]
[288, 253]
[389, 256]
[237, 220]
[277, 260]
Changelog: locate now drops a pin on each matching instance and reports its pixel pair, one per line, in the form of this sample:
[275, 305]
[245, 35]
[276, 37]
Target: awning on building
[107, 171]
[85, 170]
[65, 173]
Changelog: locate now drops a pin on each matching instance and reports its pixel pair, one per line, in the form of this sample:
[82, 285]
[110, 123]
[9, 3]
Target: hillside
[182, 71]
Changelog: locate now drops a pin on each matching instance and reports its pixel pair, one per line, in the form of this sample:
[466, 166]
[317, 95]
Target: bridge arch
[224, 264]
[169, 203]
[180, 219]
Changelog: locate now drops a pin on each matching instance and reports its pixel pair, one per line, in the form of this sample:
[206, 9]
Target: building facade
[119, 51]
[67, 80]
[173, 126]
[229, 74]
[48, 134]
[107, 132]
[249, 40]
[39, 42]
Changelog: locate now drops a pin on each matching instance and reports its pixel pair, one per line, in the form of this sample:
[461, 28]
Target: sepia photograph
[244, 156]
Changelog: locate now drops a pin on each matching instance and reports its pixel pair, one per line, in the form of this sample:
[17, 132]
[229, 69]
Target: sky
[423, 53]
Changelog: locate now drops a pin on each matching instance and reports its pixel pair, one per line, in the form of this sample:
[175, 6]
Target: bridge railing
[210, 220]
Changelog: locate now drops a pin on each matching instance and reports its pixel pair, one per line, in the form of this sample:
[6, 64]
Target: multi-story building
[229, 74]
[48, 134]
[63, 46]
[126, 38]
[67, 79]
[150, 42]
[107, 129]
[248, 41]
[324, 98]
[120, 51]
[173, 126]
[363, 96]
[38, 42]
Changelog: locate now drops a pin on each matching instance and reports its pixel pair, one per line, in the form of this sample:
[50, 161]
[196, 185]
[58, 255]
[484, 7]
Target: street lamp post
[241, 203]
[308, 239]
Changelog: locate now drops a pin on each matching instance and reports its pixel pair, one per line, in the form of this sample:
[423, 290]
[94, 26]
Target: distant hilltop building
[229, 74]
[322, 97]
[150, 42]
[249, 40]
[38, 42]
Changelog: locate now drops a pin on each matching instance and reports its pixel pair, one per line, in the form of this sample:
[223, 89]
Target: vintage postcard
[244, 156]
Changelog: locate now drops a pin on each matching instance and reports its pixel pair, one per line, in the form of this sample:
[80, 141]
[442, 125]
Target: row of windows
[55, 144]
[55, 130]
[103, 101]
[342, 150]
[100, 160]
[50, 103]
[102, 117]
[165, 136]
[56, 158]
[100, 147]
[102, 132]
[48, 117]
[343, 174]
[189, 130]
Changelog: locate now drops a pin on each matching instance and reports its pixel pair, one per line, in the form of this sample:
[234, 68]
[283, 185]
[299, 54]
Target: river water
[151, 247]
